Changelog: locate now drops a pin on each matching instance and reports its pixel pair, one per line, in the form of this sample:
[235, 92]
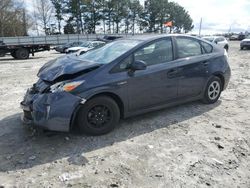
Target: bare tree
[14, 20]
[43, 13]
[5, 6]
[35, 21]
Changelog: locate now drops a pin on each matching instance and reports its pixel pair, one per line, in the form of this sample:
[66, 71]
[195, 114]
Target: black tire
[212, 94]
[2, 53]
[98, 116]
[64, 50]
[13, 54]
[22, 53]
[226, 48]
[83, 52]
[242, 48]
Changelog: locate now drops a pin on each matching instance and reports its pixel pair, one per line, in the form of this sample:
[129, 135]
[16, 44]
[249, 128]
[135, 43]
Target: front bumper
[52, 111]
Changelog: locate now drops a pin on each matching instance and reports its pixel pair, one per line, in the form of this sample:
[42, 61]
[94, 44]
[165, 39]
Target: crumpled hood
[66, 65]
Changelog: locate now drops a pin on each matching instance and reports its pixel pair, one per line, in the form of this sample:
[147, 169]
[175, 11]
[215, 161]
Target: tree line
[13, 18]
[116, 16]
[92, 16]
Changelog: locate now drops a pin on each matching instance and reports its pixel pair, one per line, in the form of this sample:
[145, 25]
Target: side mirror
[138, 65]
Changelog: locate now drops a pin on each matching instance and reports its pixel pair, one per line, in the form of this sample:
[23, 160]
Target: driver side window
[155, 53]
[123, 66]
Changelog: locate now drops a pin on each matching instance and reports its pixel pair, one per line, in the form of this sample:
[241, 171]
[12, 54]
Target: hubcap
[99, 116]
[214, 90]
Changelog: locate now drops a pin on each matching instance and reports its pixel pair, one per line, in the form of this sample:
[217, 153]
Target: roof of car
[213, 37]
[145, 37]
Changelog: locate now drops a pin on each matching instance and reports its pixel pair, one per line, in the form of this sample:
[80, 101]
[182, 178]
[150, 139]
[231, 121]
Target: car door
[193, 65]
[157, 84]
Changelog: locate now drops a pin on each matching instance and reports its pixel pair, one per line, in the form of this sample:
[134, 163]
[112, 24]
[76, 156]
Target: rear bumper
[245, 45]
[52, 111]
[227, 76]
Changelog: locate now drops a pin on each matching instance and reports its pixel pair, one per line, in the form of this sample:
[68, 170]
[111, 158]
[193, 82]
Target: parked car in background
[237, 37]
[241, 36]
[234, 37]
[220, 41]
[124, 78]
[85, 46]
[245, 43]
[64, 47]
[108, 38]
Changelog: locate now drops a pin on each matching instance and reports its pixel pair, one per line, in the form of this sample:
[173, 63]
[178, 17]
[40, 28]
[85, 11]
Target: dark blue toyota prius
[125, 78]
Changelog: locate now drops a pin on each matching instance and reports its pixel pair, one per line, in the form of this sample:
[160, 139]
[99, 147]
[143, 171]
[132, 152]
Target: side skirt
[181, 101]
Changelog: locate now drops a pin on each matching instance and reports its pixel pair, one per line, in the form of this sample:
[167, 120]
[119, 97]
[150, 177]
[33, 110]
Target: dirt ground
[192, 145]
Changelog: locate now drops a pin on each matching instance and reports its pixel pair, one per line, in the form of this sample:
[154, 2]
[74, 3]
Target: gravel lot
[192, 145]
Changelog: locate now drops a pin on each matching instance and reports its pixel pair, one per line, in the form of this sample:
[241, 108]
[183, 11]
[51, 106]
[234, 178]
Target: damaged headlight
[65, 86]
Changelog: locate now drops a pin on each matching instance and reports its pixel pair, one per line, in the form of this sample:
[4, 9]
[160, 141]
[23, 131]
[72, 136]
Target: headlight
[65, 86]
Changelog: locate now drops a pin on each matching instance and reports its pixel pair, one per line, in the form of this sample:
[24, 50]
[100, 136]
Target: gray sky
[218, 15]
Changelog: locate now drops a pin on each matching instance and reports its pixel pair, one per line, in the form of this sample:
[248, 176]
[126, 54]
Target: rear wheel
[22, 53]
[82, 52]
[213, 90]
[98, 116]
[2, 53]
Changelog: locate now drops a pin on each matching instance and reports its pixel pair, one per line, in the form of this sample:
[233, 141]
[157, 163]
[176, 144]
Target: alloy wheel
[99, 116]
[214, 90]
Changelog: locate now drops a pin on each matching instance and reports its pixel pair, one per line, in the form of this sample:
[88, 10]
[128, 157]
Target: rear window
[220, 39]
[207, 47]
[210, 39]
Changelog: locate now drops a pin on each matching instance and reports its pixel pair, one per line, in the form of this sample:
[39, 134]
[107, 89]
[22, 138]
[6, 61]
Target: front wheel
[98, 116]
[213, 90]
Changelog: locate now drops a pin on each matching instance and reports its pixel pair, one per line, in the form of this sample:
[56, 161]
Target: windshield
[248, 37]
[210, 39]
[85, 44]
[109, 52]
[69, 44]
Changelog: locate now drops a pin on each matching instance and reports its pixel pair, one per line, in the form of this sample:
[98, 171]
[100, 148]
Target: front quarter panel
[112, 83]
[54, 111]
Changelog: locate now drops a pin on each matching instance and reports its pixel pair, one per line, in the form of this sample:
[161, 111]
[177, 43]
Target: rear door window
[188, 47]
[207, 48]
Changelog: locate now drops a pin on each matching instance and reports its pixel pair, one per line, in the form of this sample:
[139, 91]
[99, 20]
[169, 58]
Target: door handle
[205, 63]
[172, 73]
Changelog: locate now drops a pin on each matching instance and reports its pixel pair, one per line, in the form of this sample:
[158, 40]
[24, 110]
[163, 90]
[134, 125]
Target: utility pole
[200, 27]
[229, 30]
[24, 24]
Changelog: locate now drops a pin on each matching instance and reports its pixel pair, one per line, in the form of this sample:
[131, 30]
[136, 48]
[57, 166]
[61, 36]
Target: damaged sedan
[125, 77]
